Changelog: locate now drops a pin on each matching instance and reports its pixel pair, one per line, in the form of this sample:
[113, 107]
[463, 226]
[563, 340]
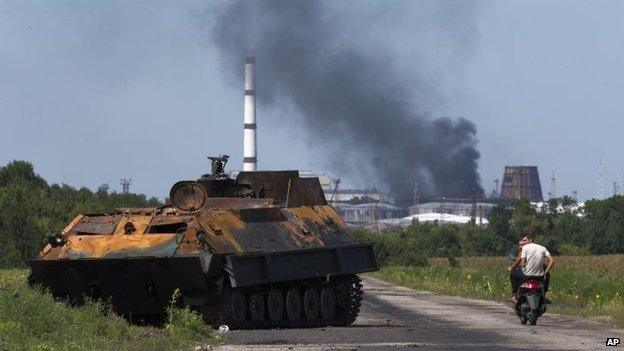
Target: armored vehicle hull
[262, 250]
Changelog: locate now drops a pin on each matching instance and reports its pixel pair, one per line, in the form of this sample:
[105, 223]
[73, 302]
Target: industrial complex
[371, 207]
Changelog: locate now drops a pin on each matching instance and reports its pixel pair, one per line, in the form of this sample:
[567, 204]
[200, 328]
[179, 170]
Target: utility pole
[496, 188]
[473, 211]
[416, 199]
[376, 214]
[575, 195]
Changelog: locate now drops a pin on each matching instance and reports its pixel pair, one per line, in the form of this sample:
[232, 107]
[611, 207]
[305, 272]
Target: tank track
[347, 292]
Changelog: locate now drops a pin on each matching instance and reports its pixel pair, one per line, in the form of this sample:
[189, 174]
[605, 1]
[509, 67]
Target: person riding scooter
[533, 261]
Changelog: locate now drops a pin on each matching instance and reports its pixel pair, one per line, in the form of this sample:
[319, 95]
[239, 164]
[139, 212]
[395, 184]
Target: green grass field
[32, 320]
[590, 286]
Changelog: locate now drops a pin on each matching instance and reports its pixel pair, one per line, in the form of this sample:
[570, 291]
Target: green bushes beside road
[32, 320]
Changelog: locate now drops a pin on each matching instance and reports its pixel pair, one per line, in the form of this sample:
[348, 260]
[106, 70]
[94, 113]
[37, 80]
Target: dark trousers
[517, 277]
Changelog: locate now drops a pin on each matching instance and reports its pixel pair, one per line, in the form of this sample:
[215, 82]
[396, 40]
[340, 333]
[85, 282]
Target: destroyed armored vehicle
[261, 250]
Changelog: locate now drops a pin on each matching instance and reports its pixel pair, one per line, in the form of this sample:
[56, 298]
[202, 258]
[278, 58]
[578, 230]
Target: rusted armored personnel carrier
[261, 250]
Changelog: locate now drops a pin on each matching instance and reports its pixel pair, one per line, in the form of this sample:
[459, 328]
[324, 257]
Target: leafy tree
[500, 222]
[526, 220]
[603, 227]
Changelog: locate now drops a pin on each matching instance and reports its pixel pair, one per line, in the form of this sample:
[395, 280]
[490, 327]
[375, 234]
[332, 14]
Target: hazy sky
[95, 91]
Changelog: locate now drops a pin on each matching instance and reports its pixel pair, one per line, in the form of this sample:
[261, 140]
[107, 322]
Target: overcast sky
[95, 91]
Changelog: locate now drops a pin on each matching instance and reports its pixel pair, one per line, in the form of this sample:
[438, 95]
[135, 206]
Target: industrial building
[359, 195]
[458, 208]
[357, 214]
[521, 182]
[393, 224]
[363, 206]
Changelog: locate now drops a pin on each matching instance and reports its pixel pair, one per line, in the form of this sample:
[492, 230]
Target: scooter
[530, 299]
[531, 302]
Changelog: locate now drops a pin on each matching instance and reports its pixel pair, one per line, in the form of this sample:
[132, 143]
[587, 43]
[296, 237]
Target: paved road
[394, 317]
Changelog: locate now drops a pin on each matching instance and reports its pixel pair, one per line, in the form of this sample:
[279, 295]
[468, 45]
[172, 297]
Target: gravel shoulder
[395, 317]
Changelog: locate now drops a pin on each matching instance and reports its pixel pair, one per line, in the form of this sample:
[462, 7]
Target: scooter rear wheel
[534, 315]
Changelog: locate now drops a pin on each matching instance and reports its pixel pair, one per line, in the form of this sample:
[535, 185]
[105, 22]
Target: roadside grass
[589, 286]
[34, 320]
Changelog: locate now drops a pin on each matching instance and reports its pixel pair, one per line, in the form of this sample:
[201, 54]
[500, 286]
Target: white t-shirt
[534, 259]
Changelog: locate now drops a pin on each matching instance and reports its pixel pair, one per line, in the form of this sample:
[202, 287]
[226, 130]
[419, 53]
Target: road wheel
[237, 307]
[276, 304]
[311, 304]
[328, 303]
[293, 304]
[534, 315]
[342, 295]
[256, 307]
[524, 320]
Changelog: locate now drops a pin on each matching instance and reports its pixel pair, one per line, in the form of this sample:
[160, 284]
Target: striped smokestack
[249, 143]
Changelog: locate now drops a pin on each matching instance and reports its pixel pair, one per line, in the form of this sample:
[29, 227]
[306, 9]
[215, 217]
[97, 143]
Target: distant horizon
[117, 188]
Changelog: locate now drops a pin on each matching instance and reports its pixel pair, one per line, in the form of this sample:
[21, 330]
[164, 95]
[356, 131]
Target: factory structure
[371, 207]
[250, 159]
[376, 210]
[521, 182]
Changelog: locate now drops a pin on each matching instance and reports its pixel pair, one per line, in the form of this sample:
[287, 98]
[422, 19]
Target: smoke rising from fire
[359, 109]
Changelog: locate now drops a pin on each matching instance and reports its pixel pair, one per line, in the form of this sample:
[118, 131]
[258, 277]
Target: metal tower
[125, 185]
[599, 185]
[496, 188]
[552, 194]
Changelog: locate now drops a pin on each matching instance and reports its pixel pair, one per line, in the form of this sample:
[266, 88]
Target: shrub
[31, 319]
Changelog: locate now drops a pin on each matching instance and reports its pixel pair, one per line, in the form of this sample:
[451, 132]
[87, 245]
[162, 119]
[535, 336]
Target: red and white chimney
[250, 159]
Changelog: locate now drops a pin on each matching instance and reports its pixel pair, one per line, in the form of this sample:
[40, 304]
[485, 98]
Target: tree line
[31, 209]
[561, 225]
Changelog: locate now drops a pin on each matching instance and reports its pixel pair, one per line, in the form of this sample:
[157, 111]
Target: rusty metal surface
[224, 203]
[248, 221]
[231, 225]
[188, 195]
[253, 269]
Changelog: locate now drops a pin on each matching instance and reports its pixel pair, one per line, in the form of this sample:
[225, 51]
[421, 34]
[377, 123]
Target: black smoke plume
[354, 104]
